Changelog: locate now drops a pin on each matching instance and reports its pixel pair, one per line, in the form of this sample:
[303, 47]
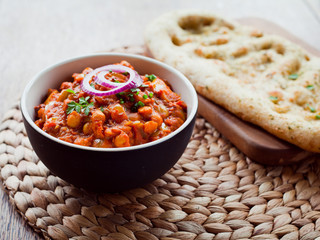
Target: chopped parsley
[131, 98]
[293, 76]
[273, 98]
[151, 77]
[70, 91]
[312, 109]
[145, 96]
[119, 94]
[82, 106]
[151, 95]
[135, 90]
[310, 87]
[137, 105]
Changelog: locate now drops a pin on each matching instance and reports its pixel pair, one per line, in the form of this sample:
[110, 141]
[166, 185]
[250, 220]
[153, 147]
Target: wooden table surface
[37, 33]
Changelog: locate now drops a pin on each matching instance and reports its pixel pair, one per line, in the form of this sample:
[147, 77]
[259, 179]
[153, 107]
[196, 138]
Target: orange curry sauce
[129, 118]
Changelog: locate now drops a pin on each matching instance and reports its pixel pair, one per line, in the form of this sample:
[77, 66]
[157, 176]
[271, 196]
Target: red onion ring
[133, 82]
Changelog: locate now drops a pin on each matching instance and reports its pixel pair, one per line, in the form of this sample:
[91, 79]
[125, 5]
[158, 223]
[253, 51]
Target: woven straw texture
[213, 192]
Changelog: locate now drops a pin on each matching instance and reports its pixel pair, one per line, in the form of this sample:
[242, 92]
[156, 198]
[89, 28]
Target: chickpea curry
[128, 110]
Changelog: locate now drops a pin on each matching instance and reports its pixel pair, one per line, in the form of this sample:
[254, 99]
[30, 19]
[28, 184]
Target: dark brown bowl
[107, 169]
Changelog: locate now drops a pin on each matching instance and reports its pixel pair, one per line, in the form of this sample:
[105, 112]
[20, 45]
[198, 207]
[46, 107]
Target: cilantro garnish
[151, 77]
[137, 105]
[135, 90]
[273, 98]
[310, 87]
[82, 106]
[70, 91]
[312, 109]
[293, 76]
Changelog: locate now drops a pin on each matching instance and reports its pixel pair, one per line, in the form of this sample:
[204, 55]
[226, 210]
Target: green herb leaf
[78, 108]
[120, 94]
[144, 85]
[151, 77]
[145, 96]
[70, 110]
[273, 98]
[70, 91]
[83, 105]
[151, 95]
[125, 73]
[135, 90]
[135, 107]
[310, 87]
[72, 104]
[82, 101]
[293, 76]
[317, 116]
[312, 109]
[87, 109]
[101, 109]
[140, 104]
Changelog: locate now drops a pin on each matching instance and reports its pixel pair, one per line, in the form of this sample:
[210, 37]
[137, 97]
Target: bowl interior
[51, 77]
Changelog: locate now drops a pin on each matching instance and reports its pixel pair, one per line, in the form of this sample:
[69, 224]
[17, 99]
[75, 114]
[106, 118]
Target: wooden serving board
[252, 140]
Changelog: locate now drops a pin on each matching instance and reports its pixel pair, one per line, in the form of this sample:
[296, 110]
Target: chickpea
[63, 95]
[156, 118]
[87, 129]
[122, 140]
[150, 127]
[74, 119]
[163, 111]
[118, 113]
[52, 96]
[145, 111]
[97, 115]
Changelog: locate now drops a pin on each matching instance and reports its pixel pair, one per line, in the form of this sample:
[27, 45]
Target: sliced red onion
[100, 79]
[133, 82]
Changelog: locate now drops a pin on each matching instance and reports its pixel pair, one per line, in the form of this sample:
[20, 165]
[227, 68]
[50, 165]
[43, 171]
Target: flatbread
[264, 79]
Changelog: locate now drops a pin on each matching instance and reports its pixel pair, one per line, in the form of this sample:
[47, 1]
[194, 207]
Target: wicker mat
[213, 192]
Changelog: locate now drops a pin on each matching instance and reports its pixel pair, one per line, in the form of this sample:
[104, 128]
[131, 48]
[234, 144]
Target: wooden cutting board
[252, 140]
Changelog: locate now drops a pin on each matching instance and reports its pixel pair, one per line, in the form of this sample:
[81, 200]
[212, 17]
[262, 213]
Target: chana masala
[110, 107]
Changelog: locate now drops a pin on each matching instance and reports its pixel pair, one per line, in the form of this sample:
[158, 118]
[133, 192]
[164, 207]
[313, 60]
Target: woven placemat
[213, 192]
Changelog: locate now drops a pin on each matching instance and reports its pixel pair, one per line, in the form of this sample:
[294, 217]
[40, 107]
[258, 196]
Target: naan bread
[263, 79]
